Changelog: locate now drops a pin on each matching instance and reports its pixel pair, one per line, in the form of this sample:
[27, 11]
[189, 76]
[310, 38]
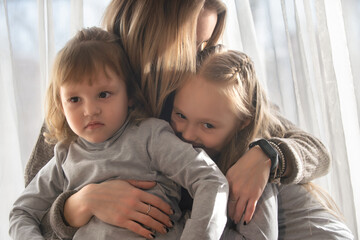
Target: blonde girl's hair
[159, 37]
[220, 8]
[90, 51]
[235, 75]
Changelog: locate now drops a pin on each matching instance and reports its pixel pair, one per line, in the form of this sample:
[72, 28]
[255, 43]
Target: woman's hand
[247, 179]
[120, 203]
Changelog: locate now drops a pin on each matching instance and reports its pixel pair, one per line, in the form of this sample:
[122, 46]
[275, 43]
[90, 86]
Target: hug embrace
[148, 126]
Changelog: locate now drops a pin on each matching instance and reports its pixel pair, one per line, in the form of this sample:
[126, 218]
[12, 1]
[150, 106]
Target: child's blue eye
[74, 99]
[180, 115]
[208, 125]
[104, 95]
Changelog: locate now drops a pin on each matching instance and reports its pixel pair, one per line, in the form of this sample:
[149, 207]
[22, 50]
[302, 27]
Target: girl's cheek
[175, 126]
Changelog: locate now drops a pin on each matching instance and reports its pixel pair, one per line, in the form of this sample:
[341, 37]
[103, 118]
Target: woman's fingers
[138, 205]
[157, 215]
[158, 203]
[147, 220]
[241, 208]
[142, 184]
[138, 229]
[119, 203]
[231, 208]
[239, 211]
[150, 198]
[247, 179]
[249, 211]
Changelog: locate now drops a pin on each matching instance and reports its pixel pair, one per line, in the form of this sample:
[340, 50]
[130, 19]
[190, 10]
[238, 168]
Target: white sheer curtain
[31, 32]
[11, 172]
[306, 52]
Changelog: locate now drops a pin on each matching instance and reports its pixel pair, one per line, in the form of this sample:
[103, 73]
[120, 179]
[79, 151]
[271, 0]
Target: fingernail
[166, 229]
[152, 236]
[171, 211]
[171, 223]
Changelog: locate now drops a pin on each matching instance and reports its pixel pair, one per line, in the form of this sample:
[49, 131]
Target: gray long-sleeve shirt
[151, 152]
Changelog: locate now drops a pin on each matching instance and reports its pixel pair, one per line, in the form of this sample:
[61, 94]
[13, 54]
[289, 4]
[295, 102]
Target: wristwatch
[271, 153]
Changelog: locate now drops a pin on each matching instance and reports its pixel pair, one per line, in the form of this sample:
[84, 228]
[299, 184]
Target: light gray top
[151, 152]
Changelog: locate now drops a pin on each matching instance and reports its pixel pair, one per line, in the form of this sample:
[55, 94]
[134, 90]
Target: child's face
[202, 116]
[95, 112]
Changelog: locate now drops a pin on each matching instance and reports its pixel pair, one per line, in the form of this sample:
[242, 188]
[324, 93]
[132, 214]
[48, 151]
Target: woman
[160, 39]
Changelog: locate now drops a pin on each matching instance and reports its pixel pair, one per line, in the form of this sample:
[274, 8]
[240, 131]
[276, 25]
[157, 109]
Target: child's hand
[247, 179]
[119, 203]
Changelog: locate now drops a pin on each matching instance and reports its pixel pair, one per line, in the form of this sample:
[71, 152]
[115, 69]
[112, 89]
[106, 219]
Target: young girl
[223, 110]
[98, 139]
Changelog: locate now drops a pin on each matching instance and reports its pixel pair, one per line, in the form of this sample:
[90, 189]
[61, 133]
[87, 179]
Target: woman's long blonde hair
[159, 37]
[90, 51]
[235, 75]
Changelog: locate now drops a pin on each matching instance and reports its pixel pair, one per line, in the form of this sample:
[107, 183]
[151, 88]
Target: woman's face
[205, 26]
[202, 116]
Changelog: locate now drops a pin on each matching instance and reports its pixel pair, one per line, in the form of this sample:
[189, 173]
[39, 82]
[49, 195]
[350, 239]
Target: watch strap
[272, 153]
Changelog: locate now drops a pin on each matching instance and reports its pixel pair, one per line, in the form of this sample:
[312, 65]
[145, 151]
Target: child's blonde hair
[235, 74]
[90, 51]
[159, 37]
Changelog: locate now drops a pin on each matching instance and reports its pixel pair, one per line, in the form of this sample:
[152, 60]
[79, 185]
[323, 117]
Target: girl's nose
[91, 109]
[189, 133]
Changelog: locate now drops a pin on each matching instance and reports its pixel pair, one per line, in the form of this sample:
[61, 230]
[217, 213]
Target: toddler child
[96, 115]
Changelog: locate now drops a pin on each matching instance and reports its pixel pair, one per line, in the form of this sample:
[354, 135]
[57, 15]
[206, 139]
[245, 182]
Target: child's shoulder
[61, 149]
[154, 125]
[154, 122]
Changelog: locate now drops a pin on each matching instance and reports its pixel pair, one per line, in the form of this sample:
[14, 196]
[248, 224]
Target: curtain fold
[46, 42]
[341, 108]
[11, 175]
[351, 11]
[76, 16]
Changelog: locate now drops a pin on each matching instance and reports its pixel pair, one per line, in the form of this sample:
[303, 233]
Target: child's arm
[195, 171]
[30, 208]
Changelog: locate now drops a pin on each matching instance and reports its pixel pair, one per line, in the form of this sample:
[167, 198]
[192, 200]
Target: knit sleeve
[307, 156]
[53, 225]
[40, 155]
[57, 219]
